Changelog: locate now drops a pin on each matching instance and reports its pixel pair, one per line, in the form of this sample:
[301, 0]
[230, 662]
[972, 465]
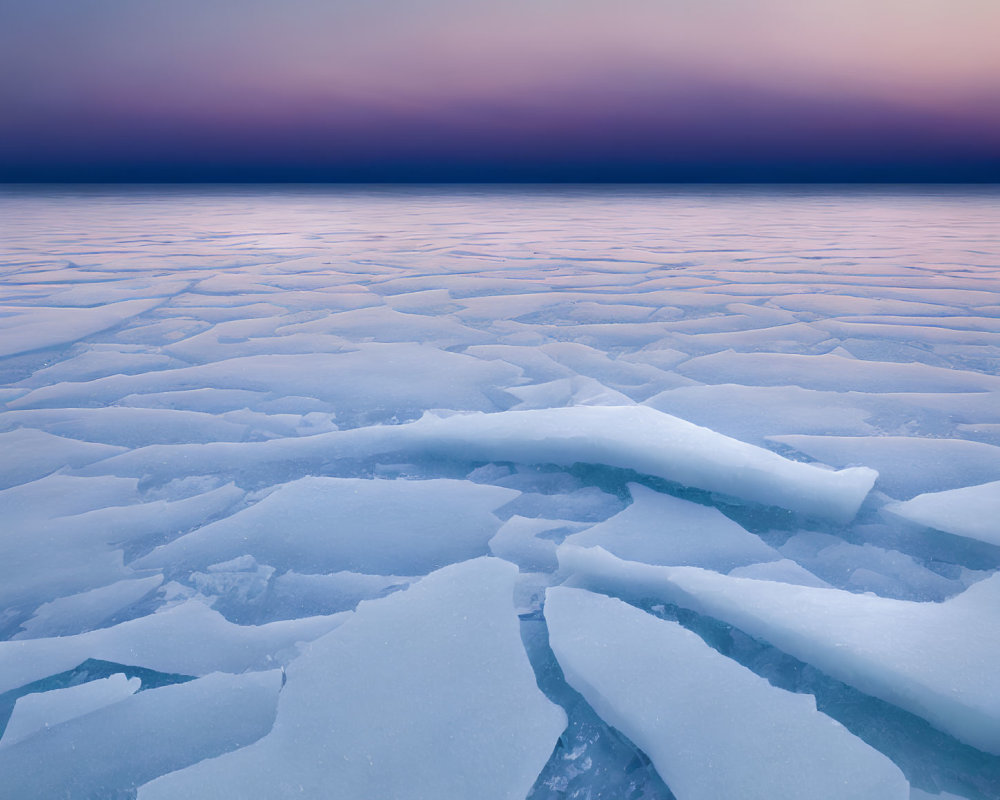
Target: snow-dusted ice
[547, 494]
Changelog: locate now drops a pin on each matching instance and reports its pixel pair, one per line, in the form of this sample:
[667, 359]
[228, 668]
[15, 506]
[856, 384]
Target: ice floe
[711, 727]
[933, 659]
[425, 693]
[972, 511]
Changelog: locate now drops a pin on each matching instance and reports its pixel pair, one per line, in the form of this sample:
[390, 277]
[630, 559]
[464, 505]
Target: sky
[518, 90]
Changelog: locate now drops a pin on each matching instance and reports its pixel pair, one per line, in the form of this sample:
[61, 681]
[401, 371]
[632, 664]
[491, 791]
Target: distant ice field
[620, 494]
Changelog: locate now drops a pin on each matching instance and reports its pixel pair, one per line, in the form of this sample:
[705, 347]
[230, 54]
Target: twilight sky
[719, 90]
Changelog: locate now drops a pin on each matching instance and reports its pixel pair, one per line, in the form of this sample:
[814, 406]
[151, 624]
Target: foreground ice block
[936, 660]
[711, 727]
[40, 710]
[973, 511]
[661, 529]
[110, 751]
[427, 693]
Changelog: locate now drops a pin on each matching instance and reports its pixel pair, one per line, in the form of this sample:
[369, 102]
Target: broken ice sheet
[182, 367]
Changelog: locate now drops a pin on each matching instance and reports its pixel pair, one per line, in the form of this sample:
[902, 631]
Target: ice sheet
[193, 383]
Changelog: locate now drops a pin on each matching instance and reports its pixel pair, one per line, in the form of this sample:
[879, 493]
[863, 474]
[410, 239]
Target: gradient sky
[513, 90]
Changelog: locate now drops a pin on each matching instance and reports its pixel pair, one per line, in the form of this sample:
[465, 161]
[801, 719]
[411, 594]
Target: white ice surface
[47, 554]
[187, 639]
[87, 610]
[336, 524]
[30, 454]
[711, 727]
[424, 694]
[113, 749]
[972, 511]
[524, 541]
[936, 660]
[660, 529]
[41, 710]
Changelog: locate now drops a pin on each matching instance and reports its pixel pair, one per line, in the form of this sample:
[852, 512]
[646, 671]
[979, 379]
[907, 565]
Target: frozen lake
[500, 493]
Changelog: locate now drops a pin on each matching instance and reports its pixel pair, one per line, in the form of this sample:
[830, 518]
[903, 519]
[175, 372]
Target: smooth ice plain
[595, 494]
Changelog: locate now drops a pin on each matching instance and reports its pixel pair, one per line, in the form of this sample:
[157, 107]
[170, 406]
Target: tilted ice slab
[660, 529]
[630, 437]
[30, 454]
[335, 524]
[650, 442]
[27, 328]
[189, 639]
[427, 693]
[972, 511]
[44, 555]
[40, 710]
[65, 616]
[712, 728]
[936, 660]
[111, 750]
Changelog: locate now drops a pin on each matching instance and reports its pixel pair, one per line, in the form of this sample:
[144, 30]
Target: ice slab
[936, 660]
[61, 495]
[650, 442]
[785, 571]
[27, 328]
[711, 727]
[294, 594]
[661, 529]
[110, 751]
[866, 567]
[41, 710]
[30, 454]
[972, 511]
[334, 524]
[630, 437]
[43, 557]
[531, 542]
[427, 693]
[82, 612]
[189, 638]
